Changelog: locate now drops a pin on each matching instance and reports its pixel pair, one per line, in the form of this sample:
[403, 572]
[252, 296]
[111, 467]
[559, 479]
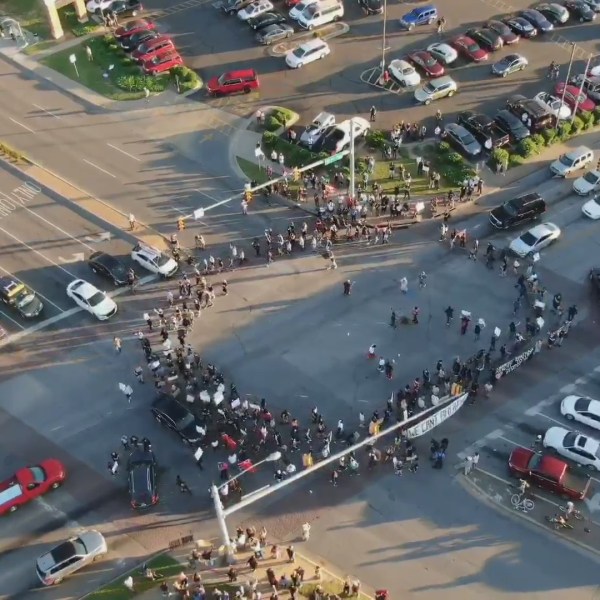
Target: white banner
[436, 418]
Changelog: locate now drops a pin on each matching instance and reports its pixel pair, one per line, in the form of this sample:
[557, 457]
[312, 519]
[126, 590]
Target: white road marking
[33, 212]
[14, 237]
[501, 437]
[75, 257]
[38, 293]
[85, 160]
[212, 197]
[550, 419]
[21, 125]
[47, 111]
[11, 319]
[124, 152]
[56, 512]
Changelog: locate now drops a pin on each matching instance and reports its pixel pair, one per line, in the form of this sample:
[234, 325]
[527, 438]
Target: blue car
[424, 15]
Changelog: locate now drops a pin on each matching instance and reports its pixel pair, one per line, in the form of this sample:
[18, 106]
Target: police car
[154, 260]
[18, 296]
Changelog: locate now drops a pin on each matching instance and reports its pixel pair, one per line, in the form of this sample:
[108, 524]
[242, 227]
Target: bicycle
[521, 503]
[576, 514]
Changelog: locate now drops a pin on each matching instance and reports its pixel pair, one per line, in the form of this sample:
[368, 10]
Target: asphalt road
[216, 43]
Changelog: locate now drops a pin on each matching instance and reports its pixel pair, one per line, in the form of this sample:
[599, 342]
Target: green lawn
[30, 14]
[163, 564]
[252, 171]
[91, 73]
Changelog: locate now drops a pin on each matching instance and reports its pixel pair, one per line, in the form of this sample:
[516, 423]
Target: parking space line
[85, 160]
[21, 125]
[59, 229]
[38, 293]
[47, 111]
[501, 437]
[11, 319]
[124, 152]
[561, 424]
[14, 237]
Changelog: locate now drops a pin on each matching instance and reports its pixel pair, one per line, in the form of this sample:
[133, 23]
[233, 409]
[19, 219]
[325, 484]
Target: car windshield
[298, 52]
[534, 462]
[473, 47]
[428, 88]
[162, 260]
[569, 440]
[591, 177]
[38, 474]
[96, 299]
[429, 61]
[185, 421]
[337, 134]
[24, 297]
[467, 139]
[79, 547]
[566, 160]
[581, 404]
[528, 238]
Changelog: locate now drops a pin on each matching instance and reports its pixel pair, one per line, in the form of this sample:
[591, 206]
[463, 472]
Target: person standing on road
[125, 443]
[147, 94]
[449, 315]
[415, 315]
[118, 344]
[422, 279]
[139, 373]
[132, 221]
[306, 532]
[372, 114]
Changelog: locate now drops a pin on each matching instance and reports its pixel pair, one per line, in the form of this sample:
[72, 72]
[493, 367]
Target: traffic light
[296, 174]
[181, 224]
[248, 196]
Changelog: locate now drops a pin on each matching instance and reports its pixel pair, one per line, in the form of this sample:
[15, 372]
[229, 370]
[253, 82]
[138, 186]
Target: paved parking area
[216, 43]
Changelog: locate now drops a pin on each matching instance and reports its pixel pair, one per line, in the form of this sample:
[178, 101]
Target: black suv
[141, 469]
[532, 114]
[518, 210]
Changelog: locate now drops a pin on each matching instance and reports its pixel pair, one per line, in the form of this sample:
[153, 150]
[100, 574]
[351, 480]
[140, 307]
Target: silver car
[535, 239]
[70, 556]
[462, 139]
[274, 33]
[511, 63]
[441, 87]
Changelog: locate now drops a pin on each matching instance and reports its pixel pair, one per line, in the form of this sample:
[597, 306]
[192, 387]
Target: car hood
[554, 437]
[422, 95]
[190, 432]
[519, 458]
[591, 209]
[105, 307]
[94, 541]
[169, 267]
[519, 247]
[568, 404]
[582, 186]
[33, 308]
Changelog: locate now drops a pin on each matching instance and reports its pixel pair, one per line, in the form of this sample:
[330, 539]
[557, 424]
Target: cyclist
[570, 509]
[523, 486]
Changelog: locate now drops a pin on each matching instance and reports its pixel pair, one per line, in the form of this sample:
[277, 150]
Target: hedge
[278, 118]
[188, 78]
[295, 156]
[451, 165]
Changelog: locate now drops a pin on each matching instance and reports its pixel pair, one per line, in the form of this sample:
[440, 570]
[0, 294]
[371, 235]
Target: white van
[321, 13]
[297, 10]
[307, 53]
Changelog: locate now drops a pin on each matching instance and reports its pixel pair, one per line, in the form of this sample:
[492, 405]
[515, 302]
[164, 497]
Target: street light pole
[580, 91]
[383, 42]
[562, 98]
[352, 189]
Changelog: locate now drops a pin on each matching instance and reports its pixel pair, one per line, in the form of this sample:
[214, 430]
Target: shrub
[188, 78]
[444, 148]
[550, 136]
[527, 148]
[272, 124]
[81, 30]
[564, 131]
[577, 125]
[514, 160]
[113, 47]
[108, 39]
[591, 120]
[538, 140]
[126, 61]
[376, 139]
[596, 114]
[454, 158]
[137, 83]
[269, 139]
[499, 156]
[588, 119]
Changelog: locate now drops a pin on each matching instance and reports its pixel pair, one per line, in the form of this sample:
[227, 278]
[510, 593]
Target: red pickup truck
[549, 473]
[30, 482]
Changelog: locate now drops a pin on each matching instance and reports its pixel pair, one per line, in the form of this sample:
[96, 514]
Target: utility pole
[383, 41]
[562, 99]
[352, 189]
[580, 91]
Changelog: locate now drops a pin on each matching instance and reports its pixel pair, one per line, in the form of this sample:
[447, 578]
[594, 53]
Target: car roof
[240, 73]
[139, 455]
[578, 151]
[316, 43]
[9, 285]
[63, 552]
[170, 406]
[86, 289]
[440, 81]
[457, 128]
[108, 260]
[144, 249]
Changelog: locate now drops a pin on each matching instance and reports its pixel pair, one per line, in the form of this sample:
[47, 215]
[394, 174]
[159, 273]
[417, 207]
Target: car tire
[322, 56]
[591, 467]
[450, 93]
[427, 102]
[504, 74]
[581, 19]
[13, 509]
[55, 485]
[569, 417]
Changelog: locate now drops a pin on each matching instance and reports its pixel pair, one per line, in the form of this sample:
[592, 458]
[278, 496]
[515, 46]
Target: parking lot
[216, 43]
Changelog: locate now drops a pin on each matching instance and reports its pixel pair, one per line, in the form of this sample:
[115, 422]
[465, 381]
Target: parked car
[581, 449]
[484, 129]
[593, 4]
[170, 413]
[230, 7]
[371, 7]
[588, 183]
[315, 130]
[576, 100]
[548, 473]
[131, 42]
[29, 483]
[162, 62]
[70, 556]
[308, 52]
[404, 73]
[503, 30]
[132, 27]
[594, 277]
[274, 33]
[580, 10]
[18, 296]
[443, 53]
[233, 82]
[517, 211]
[253, 10]
[94, 6]
[591, 208]
[108, 267]
[521, 27]
[123, 9]
[572, 161]
[150, 48]
[154, 260]
[512, 125]
[488, 39]
[531, 113]
[456, 135]
[511, 63]
[581, 409]
[469, 48]
[338, 138]
[266, 19]
[91, 299]
[141, 475]
[426, 63]
[554, 105]
[421, 15]
[537, 19]
[534, 240]
[555, 13]
[436, 89]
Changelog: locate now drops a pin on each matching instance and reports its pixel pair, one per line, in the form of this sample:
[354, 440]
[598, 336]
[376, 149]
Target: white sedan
[256, 8]
[553, 105]
[443, 53]
[588, 183]
[535, 239]
[591, 208]
[90, 298]
[581, 449]
[404, 73]
[582, 409]
[94, 6]
[154, 260]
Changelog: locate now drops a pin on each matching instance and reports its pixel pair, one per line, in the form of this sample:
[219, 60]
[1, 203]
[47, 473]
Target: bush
[277, 117]
[550, 136]
[538, 140]
[269, 140]
[577, 125]
[588, 119]
[514, 160]
[376, 139]
[564, 131]
[108, 39]
[137, 83]
[444, 148]
[272, 124]
[454, 158]
[527, 148]
[81, 30]
[113, 48]
[596, 114]
[499, 156]
[188, 78]
[126, 61]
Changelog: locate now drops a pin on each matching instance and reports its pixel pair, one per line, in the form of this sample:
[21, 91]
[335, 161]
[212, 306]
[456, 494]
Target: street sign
[331, 159]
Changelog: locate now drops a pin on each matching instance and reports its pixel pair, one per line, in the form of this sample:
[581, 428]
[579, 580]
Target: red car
[425, 61]
[133, 27]
[151, 48]
[571, 97]
[162, 62]
[30, 482]
[470, 48]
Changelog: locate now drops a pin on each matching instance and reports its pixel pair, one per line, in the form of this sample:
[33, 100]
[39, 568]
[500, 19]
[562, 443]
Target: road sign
[331, 159]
